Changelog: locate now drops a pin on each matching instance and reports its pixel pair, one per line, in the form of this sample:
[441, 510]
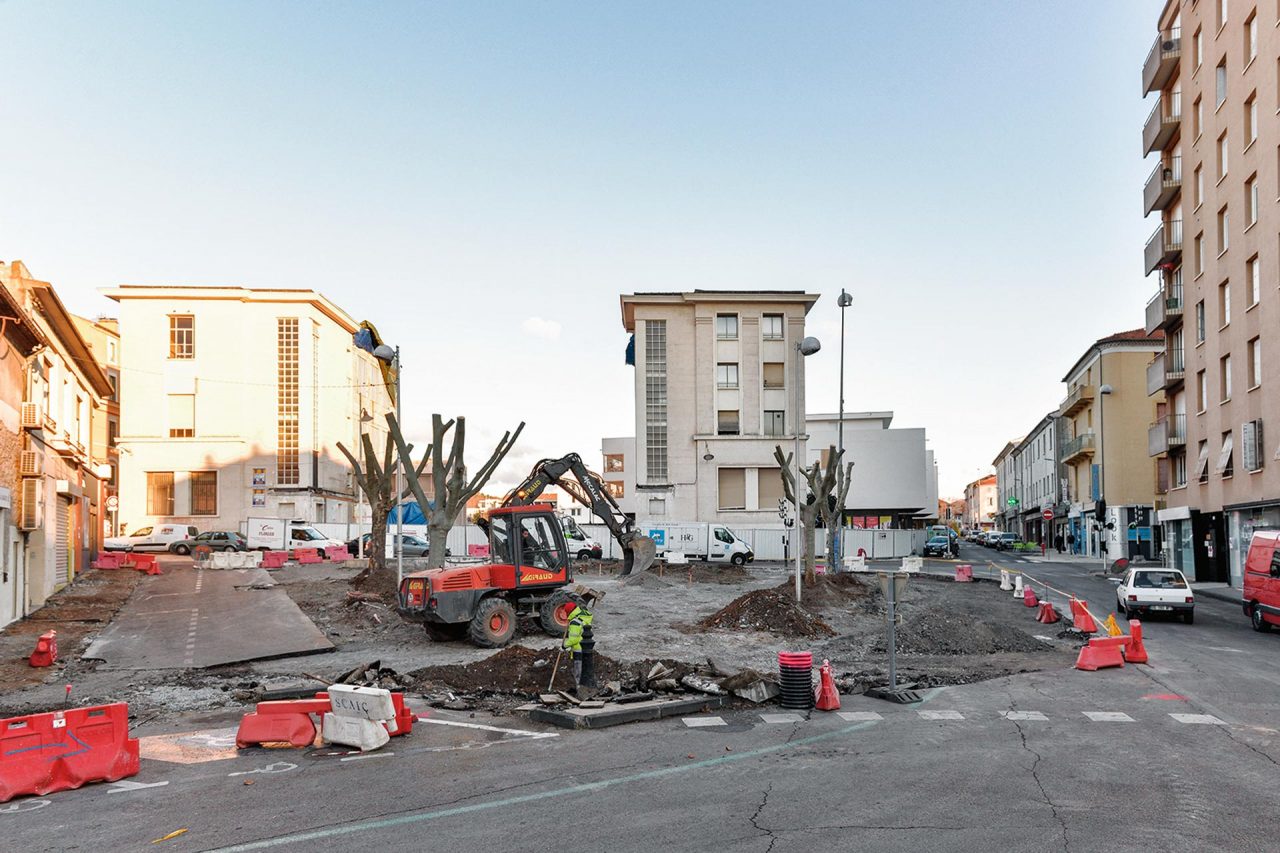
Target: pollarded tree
[378, 482]
[832, 507]
[821, 486]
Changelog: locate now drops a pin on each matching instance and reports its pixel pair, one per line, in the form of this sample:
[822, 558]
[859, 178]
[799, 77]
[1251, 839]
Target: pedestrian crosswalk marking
[782, 718]
[940, 715]
[1036, 716]
[858, 716]
[703, 722]
[1108, 716]
[1198, 719]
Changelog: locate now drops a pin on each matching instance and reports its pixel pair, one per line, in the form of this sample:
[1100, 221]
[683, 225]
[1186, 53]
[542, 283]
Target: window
[1199, 251]
[159, 493]
[727, 422]
[113, 432]
[655, 402]
[1251, 38]
[1202, 393]
[775, 422]
[726, 327]
[769, 488]
[771, 327]
[114, 379]
[1224, 377]
[287, 473]
[726, 375]
[1253, 272]
[1251, 120]
[775, 374]
[733, 488]
[1197, 118]
[1197, 48]
[614, 463]
[182, 415]
[1222, 156]
[111, 352]
[538, 544]
[1221, 86]
[1251, 200]
[1225, 456]
[1200, 322]
[1179, 470]
[182, 336]
[657, 506]
[1222, 13]
[1202, 462]
[204, 492]
[1199, 185]
[615, 489]
[1255, 363]
[1224, 303]
[1224, 230]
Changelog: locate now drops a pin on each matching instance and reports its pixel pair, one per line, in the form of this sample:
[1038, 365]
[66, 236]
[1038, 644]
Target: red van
[1262, 580]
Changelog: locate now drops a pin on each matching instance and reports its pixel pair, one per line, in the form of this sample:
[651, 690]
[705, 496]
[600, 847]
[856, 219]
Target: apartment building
[51, 517]
[1007, 488]
[619, 471]
[980, 503]
[1103, 431]
[1215, 133]
[235, 401]
[103, 337]
[1036, 467]
[719, 381]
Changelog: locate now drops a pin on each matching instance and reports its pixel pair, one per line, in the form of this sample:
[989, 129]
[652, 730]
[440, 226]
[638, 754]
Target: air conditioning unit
[32, 417]
[32, 517]
[1251, 445]
[29, 464]
[1168, 46]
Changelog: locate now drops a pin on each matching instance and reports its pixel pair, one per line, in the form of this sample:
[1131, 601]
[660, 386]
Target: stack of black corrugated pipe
[795, 671]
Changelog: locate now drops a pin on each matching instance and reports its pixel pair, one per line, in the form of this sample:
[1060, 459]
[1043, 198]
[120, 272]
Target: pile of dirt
[515, 669]
[773, 610]
[835, 590]
[379, 582]
[935, 631]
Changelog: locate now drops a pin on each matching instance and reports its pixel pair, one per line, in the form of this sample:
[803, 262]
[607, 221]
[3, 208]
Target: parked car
[1006, 541]
[1262, 580]
[938, 546]
[176, 538]
[990, 538]
[221, 540]
[414, 546]
[1155, 591]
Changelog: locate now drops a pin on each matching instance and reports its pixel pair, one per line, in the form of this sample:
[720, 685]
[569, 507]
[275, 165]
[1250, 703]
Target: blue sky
[481, 180]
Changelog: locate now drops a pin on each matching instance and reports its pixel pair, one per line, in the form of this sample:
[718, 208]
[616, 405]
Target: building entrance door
[1209, 539]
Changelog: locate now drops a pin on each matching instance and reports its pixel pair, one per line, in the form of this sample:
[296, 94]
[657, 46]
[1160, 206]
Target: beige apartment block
[718, 384]
[234, 402]
[980, 507]
[1103, 426]
[1214, 133]
[103, 337]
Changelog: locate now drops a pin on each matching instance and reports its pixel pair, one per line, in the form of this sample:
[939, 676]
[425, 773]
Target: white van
[714, 543]
[277, 534]
[176, 538]
[580, 544]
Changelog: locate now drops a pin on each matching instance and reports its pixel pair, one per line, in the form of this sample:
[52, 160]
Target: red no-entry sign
[1047, 515]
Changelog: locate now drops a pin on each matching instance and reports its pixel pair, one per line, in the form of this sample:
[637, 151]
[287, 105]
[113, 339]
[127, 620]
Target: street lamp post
[391, 356]
[844, 302]
[804, 348]
[1103, 392]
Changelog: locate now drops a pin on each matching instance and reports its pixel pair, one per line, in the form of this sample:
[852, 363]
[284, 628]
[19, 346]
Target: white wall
[892, 469]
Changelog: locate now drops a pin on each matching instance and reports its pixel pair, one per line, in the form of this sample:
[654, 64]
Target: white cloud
[548, 330]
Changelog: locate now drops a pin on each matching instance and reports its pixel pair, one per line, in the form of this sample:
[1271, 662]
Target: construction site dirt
[738, 617]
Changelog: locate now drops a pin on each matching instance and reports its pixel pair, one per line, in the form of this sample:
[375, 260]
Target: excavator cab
[530, 540]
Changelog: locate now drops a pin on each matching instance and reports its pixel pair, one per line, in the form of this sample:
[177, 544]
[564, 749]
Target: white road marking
[521, 732]
[1224, 649]
[1108, 716]
[124, 786]
[24, 806]
[1037, 716]
[370, 755]
[782, 718]
[1198, 719]
[702, 722]
[274, 767]
[858, 716]
[940, 715]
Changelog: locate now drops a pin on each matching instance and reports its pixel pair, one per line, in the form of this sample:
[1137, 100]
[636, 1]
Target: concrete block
[369, 703]
[354, 731]
[613, 714]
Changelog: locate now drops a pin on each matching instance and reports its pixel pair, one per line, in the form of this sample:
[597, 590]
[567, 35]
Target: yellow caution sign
[1113, 630]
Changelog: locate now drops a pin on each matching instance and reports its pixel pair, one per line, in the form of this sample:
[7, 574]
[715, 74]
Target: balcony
[1163, 308]
[1163, 185]
[1076, 400]
[1164, 373]
[1164, 246]
[1165, 434]
[1162, 60]
[1163, 123]
[1081, 445]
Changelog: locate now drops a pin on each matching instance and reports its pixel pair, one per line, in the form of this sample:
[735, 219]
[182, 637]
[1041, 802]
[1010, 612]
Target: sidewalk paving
[1220, 591]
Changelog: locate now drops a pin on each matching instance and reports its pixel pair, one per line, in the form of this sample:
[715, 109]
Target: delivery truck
[714, 543]
[278, 534]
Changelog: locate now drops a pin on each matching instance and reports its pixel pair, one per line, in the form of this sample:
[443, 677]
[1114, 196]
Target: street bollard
[588, 676]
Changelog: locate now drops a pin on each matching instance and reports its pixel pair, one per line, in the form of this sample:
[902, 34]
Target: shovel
[555, 669]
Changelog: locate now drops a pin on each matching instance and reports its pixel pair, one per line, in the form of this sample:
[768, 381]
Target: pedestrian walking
[1057, 543]
[1071, 542]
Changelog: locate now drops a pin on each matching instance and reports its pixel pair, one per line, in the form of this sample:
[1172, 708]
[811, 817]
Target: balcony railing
[1076, 401]
[1163, 123]
[1162, 60]
[1166, 433]
[1163, 185]
[1164, 246]
[1166, 305]
[1164, 372]
[1081, 445]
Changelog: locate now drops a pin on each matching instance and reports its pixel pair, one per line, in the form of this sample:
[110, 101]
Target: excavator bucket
[638, 555]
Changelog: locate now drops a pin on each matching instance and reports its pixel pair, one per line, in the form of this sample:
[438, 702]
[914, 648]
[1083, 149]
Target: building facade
[233, 403]
[1215, 257]
[618, 468]
[980, 505]
[1036, 467]
[1008, 488]
[719, 383]
[56, 505]
[1104, 422]
[103, 337]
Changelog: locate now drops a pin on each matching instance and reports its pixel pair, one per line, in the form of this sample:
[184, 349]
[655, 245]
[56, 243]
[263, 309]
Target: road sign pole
[893, 640]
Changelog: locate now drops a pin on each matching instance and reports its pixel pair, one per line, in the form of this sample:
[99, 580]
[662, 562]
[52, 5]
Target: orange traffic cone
[1134, 651]
[826, 698]
[1048, 615]
[46, 651]
[1029, 596]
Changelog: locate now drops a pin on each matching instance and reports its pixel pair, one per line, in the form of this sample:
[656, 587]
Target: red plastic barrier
[825, 696]
[338, 553]
[61, 750]
[257, 729]
[146, 563]
[108, 560]
[1134, 650]
[1048, 615]
[1080, 618]
[307, 555]
[274, 559]
[1101, 653]
[1029, 596]
[46, 650]
[964, 574]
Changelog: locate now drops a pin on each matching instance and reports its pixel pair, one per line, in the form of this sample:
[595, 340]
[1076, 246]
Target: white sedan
[1155, 591]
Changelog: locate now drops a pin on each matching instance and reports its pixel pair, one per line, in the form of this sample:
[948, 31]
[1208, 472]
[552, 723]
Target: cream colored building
[1214, 132]
[716, 388]
[980, 507]
[103, 337]
[1103, 426]
[233, 403]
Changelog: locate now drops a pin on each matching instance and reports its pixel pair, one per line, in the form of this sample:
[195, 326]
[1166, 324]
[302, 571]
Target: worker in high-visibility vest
[579, 619]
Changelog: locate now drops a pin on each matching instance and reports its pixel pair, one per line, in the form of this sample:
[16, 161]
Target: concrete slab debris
[613, 714]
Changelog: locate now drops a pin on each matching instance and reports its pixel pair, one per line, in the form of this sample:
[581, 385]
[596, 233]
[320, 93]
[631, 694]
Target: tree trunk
[833, 559]
[809, 522]
[377, 552]
[438, 537]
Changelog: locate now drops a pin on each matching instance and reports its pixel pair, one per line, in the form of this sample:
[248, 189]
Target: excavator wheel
[555, 611]
[494, 623]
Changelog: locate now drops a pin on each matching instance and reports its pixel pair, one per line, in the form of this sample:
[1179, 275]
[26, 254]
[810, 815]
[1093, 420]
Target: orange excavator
[529, 569]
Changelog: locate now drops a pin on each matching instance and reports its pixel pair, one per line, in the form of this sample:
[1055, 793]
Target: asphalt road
[1062, 760]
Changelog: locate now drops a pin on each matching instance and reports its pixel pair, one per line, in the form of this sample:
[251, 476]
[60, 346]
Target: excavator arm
[588, 488]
